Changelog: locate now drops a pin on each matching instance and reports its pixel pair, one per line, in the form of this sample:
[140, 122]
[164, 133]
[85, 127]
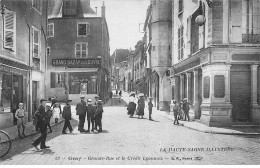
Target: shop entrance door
[240, 92]
[17, 94]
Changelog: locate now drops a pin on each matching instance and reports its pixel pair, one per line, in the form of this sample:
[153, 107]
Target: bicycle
[5, 143]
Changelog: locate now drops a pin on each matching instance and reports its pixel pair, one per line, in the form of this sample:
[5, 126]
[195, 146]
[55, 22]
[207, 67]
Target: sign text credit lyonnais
[76, 62]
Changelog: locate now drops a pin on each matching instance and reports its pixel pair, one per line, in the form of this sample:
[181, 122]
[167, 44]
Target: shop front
[13, 90]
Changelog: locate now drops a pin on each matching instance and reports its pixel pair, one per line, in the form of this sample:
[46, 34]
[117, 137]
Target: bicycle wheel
[5, 143]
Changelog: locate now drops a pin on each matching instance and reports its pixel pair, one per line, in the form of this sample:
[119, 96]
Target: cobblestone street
[136, 141]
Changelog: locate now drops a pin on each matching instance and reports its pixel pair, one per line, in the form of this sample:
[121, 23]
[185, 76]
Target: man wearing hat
[67, 116]
[150, 108]
[81, 112]
[175, 109]
[90, 115]
[98, 116]
[95, 107]
[186, 109]
[42, 121]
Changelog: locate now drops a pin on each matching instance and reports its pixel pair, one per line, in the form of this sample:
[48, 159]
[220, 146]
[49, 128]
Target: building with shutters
[216, 65]
[78, 51]
[22, 57]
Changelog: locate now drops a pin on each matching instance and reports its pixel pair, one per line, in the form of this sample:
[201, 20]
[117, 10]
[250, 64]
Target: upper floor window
[36, 43]
[10, 31]
[180, 6]
[83, 29]
[81, 50]
[180, 43]
[50, 30]
[37, 5]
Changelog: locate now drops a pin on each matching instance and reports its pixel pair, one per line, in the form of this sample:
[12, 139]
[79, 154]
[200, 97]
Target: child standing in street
[56, 112]
[150, 108]
[19, 115]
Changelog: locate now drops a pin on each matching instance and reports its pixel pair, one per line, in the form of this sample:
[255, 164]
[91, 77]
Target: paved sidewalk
[204, 128]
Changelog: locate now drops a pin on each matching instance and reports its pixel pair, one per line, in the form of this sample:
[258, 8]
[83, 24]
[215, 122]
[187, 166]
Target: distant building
[216, 65]
[78, 51]
[117, 58]
[22, 58]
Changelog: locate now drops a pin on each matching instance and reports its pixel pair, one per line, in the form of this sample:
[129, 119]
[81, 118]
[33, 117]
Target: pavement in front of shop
[243, 130]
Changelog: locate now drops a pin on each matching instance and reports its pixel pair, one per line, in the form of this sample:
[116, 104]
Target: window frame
[48, 30]
[81, 51]
[87, 29]
[35, 8]
[181, 6]
[39, 42]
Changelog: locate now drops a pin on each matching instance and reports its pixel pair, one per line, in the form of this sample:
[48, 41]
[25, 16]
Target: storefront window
[84, 83]
[6, 93]
[206, 87]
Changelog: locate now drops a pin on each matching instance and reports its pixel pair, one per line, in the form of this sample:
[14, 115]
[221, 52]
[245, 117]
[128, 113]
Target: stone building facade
[158, 38]
[78, 51]
[22, 57]
[216, 65]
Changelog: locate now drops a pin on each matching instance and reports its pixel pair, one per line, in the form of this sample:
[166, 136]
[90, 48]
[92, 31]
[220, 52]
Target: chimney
[103, 10]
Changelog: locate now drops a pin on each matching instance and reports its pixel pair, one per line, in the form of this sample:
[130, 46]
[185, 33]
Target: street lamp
[200, 19]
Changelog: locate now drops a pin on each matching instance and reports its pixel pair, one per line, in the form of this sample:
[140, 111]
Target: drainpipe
[30, 78]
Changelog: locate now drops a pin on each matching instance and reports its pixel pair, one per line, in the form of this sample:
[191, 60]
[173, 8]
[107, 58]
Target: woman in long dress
[141, 105]
[131, 105]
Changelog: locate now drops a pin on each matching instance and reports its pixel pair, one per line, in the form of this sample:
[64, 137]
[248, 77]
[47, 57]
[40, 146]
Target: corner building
[78, 51]
[216, 65]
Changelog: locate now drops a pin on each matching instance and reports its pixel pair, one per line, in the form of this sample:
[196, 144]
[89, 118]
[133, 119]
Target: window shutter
[236, 21]
[188, 35]
[53, 79]
[9, 24]
[88, 29]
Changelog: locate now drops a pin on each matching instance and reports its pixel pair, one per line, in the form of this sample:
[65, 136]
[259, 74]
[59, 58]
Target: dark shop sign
[12, 70]
[77, 63]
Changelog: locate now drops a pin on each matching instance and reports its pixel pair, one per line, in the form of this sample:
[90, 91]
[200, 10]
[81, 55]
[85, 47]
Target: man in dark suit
[90, 115]
[81, 112]
[67, 116]
[42, 118]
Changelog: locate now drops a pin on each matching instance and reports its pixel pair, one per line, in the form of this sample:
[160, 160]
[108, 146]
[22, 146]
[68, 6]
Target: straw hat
[141, 94]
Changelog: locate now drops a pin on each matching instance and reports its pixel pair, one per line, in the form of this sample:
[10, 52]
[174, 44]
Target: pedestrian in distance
[90, 115]
[175, 109]
[49, 115]
[141, 105]
[120, 95]
[186, 109]
[19, 115]
[116, 92]
[81, 112]
[98, 116]
[150, 108]
[131, 105]
[111, 96]
[67, 117]
[56, 112]
[181, 112]
[42, 121]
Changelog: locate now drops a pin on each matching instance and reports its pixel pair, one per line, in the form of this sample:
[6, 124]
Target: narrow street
[136, 141]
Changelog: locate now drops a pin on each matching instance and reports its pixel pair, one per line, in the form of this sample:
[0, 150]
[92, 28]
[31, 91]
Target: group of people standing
[181, 111]
[93, 113]
[138, 106]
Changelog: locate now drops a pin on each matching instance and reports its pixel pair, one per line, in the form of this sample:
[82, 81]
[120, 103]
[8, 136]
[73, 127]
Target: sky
[123, 19]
